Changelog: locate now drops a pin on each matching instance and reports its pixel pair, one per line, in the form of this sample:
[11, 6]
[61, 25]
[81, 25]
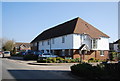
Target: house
[74, 39]
[111, 47]
[22, 46]
[117, 46]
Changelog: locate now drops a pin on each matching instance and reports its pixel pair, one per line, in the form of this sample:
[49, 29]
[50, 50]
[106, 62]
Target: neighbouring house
[111, 47]
[116, 46]
[74, 39]
[22, 46]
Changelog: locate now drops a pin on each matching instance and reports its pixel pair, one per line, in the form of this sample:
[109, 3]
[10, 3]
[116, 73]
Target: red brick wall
[91, 54]
[76, 54]
[102, 57]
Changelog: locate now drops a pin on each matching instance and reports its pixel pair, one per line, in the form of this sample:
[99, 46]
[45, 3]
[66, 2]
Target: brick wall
[90, 54]
[102, 57]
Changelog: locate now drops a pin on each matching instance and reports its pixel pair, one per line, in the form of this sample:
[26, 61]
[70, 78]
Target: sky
[23, 21]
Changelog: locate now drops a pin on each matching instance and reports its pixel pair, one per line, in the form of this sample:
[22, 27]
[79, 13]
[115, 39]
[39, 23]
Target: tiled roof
[116, 41]
[76, 25]
[18, 44]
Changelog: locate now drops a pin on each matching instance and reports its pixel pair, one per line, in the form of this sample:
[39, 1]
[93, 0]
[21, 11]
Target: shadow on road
[20, 58]
[41, 75]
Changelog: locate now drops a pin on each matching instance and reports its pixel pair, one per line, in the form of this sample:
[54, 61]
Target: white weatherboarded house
[75, 38]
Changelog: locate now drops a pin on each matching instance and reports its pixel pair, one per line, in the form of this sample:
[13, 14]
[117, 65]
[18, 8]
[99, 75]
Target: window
[94, 43]
[53, 41]
[48, 42]
[63, 39]
[42, 43]
[101, 53]
[36, 44]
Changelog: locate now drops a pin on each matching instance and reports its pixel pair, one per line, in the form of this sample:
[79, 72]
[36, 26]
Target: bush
[98, 60]
[67, 60]
[43, 61]
[83, 69]
[112, 70]
[113, 56]
[49, 61]
[60, 60]
[101, 71]
[91, 60]
[54, 60]
[77, 60]
[73, 60]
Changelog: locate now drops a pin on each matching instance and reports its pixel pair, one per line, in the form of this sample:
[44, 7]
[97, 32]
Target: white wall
[116, 47]
[73, 41]
[76, 41]
[58, 43]
[103, 44]
[81, 39]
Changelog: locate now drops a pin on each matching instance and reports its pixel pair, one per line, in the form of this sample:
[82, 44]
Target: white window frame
[94, 43]
[53, 41]
[101, 52]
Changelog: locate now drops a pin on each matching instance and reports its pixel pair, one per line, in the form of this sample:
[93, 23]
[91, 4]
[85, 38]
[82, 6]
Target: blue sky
[0, 19]
[23, 21]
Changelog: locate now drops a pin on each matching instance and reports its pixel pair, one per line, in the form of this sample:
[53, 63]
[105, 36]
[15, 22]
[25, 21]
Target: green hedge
[59, 60]
[101, 71]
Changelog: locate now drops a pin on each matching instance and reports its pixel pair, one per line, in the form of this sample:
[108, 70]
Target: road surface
[17, 70]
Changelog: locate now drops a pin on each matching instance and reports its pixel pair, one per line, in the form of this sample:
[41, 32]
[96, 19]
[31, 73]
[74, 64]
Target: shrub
[83, 69]
[73, 60]
[67, 60]
[49, 61]
[97, 60]
[91, 60]
[60, 60]
[43, 61]
[77, 60]
[54, 60]
[113, 56]
[101, 71]
[112, 70]
[49, 58]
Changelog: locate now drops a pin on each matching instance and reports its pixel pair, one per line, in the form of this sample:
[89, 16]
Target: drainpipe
[50, 46]
[80, 50]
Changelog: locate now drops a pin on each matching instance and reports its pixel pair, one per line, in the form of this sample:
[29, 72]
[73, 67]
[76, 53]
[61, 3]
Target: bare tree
[7, 45]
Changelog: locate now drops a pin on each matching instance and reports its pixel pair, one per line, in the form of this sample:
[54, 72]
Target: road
[19, 70]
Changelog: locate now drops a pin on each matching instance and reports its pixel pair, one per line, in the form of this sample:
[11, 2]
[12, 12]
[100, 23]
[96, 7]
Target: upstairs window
[53, 41]
[94, 43]
[63, 39]
[36, 44]
[42, 43]
[48, 42]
